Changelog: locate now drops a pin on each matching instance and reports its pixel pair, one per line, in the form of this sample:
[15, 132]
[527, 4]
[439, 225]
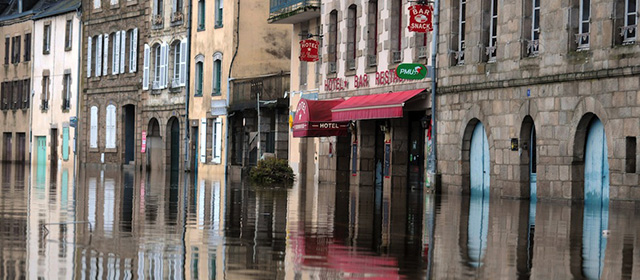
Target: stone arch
[525, 158]
[473, 116]
[153, 128]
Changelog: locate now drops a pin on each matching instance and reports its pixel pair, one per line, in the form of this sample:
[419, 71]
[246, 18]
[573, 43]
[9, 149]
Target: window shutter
[89, 57]
[133, 64]
[111, 127]
[116, 54]
[123, 44]
[183, 62]
[203, 140]
[105, 63]
[217, 138]
[99, 56]
[94, 127]
[163, 65]
[145, 71]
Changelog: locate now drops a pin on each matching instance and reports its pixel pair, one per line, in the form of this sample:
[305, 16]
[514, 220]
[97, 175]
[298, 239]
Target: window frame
[199, 68]
[582, 38]
[46, 38]
[493, 32]
[629, 28]
[68, 39]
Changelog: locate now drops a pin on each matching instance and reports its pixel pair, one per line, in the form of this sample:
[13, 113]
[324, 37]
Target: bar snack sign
[420, 18]
[309, 50]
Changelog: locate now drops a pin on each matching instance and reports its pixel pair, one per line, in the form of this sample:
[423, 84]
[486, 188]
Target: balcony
[270, 88]
[293, 11]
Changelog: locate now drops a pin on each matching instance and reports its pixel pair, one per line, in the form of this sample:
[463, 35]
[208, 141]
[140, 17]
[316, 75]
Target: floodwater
[59, 223]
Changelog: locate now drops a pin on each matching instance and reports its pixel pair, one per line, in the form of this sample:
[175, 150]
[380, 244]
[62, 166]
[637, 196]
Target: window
[115, 56]
[66, 96]
[219, 13]
[133, 50]
[110, 136]
[27, 47]
[351, 37]
[114, 2]
[177, 69]
[68, 35]
[44, 95]
[200, 14]
[333, 41]
[177, 6]
[372, 33]
[46, 39]
[198, 80]
[630, 157]
[105, 48]
[16, 100]
[531, 27]
[98, 57]
[96, 4]
[7, 48]
[89, 52]
[459, 20]
[582, 38]
[145, 71]
[15, 58]
[625, 21]
[493, 32]
[217, 75]
[216, 151]
[160, 66]
[93, 135]
[123, 47]
[157, 9]
[396, 31]
[26, 93]
[5, 93]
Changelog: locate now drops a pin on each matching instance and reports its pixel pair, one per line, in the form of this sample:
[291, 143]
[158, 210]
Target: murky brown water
[114, 224]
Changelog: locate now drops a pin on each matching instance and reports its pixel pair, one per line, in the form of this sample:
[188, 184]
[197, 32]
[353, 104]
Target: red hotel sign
[420, 18]
[309, 50]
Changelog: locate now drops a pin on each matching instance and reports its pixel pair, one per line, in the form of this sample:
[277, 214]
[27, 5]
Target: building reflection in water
[119, 224]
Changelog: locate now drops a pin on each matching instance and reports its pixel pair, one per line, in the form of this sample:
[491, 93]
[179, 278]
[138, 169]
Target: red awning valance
[374, 106]
[313, 119]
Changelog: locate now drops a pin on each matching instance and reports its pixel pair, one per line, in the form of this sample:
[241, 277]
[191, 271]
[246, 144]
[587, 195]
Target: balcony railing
[396, 57]
[582, 39]
[332, 67]
[422, 52]
[351, 64]
[628, 34]
[372, 60]
[270, 88]
[293, 11]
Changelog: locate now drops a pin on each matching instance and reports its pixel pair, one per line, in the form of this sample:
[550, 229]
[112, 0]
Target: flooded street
[58, 223]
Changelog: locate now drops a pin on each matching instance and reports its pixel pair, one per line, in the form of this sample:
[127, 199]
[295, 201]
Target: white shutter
[111, 127]
[145, 71]
[217, 140]
[123, 46]
[93, 138]
[163, 65]
[115, 66]
[105, 63]
[99, 56]
[89, 57]
[133, 63]
[183, 62]
[203, 140]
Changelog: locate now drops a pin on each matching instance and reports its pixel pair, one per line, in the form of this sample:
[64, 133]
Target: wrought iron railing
[283, 6]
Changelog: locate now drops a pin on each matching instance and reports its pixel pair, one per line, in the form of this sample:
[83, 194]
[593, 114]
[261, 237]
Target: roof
[29, 8]
[62, 7]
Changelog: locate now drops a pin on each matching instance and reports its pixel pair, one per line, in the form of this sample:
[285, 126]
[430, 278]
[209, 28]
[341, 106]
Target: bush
[272, 172]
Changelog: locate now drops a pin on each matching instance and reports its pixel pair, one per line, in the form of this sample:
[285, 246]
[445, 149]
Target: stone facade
[559, 90]
[120, 89]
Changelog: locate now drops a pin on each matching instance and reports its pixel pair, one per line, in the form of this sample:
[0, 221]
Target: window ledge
[200, 29]
[176, 89]
[131, 3]
[110, 150]
[218, 26]
[67, 49]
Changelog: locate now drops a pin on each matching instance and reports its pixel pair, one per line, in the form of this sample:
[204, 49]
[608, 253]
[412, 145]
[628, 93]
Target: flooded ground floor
[64, 222]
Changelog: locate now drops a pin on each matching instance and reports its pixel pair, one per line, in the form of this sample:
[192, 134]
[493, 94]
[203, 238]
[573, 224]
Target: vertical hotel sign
[420, 18]
[309, 50]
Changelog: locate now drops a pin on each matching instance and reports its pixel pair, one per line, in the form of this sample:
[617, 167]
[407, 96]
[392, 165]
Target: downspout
[229, 80]
[187, 94]
[434, 52]
[78, 87]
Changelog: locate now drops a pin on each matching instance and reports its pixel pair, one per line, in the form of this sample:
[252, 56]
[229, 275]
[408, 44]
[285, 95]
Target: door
[54, 145]
[129, 133]
[479, 160]
[596, 200]
[174, 138]
[8, 143]
[533, 166]
[416, 152]
[194, 148]
[65, 143]
[41, 144]
[21, 146]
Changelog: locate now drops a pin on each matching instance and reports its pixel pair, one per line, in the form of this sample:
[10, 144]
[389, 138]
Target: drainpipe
[434, 131]
[186, 92]
[78, 87]
[229, 80]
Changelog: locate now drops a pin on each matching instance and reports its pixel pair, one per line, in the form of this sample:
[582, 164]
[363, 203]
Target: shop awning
[313, 119]
[373, 106]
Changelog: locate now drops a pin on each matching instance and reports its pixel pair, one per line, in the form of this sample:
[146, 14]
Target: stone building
[164, 84]
[16, 29]
[550, 91]
[235, 54]
[110, 125]
[55, 82]
[381, 125]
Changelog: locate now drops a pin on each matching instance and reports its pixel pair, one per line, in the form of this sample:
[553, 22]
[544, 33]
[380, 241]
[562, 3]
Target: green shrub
[272, 172]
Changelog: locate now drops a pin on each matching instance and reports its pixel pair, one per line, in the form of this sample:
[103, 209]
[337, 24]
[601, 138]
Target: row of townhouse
[152, 84]
[533, 99]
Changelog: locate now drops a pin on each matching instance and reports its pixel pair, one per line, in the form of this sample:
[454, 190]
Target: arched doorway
[173, 143]
[528, 159]
[154, 145]
[596, 200]
[479, 161]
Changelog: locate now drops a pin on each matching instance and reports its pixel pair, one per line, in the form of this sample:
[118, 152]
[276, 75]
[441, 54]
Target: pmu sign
[420, 18]
[411, 71]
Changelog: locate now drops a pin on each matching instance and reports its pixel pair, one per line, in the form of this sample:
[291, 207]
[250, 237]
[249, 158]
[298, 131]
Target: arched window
[217, 75]
[198, 79]
[93, 135]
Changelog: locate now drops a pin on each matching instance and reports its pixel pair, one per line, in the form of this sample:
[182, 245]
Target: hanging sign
[144, 142]
[420, 18]
[309, 50]
[411, 71]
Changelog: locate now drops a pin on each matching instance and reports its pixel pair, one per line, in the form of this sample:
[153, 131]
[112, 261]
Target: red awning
[373, 106]
[313, 119]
